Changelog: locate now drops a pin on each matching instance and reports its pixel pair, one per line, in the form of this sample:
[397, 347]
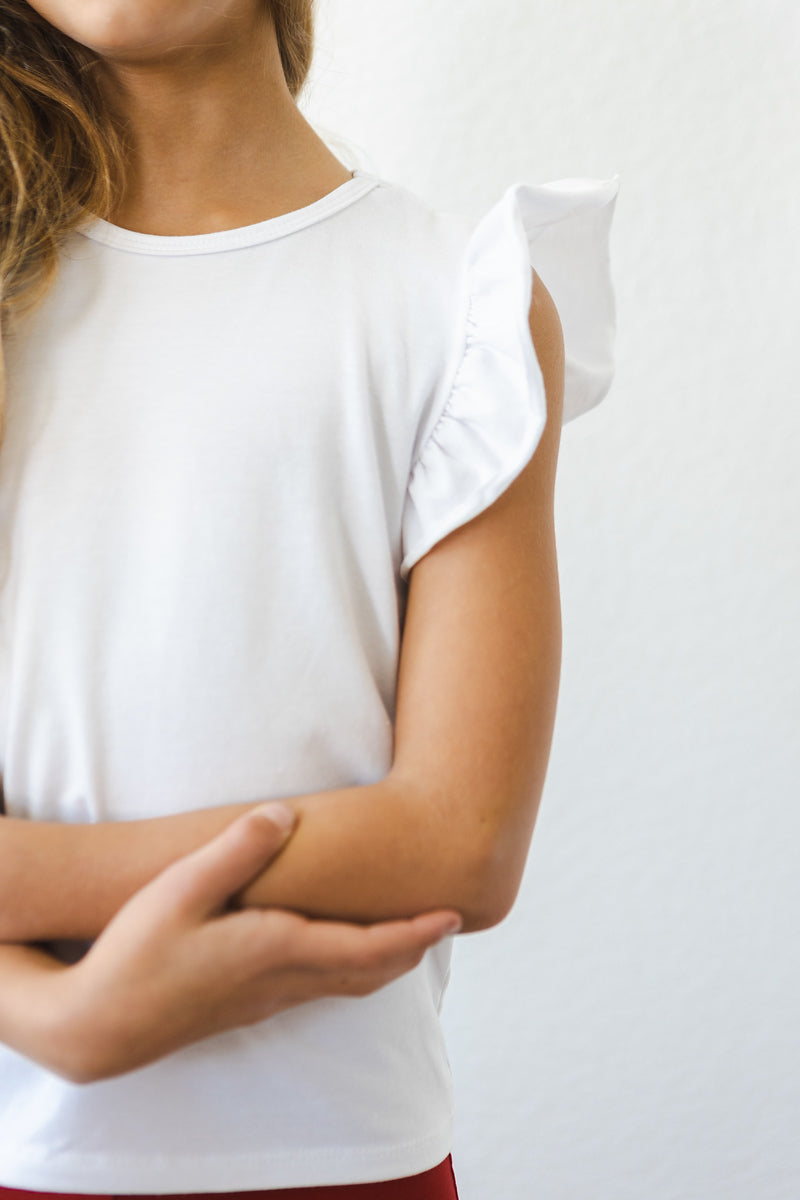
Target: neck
[215, 138]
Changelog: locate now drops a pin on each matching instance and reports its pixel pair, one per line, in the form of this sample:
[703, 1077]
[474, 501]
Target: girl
[276, 501]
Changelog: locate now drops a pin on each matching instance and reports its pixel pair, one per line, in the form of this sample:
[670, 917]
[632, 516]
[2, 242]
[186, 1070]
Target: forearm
[363, 854]
[30, 1019]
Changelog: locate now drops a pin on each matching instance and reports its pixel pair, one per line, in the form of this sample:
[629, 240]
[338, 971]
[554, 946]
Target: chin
[134, 30]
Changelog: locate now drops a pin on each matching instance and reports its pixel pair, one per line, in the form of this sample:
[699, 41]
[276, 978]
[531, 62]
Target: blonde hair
[63, 152]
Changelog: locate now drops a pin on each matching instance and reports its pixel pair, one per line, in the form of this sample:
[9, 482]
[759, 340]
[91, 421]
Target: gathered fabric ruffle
[495, 411]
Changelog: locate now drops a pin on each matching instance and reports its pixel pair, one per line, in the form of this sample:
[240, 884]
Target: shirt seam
[274, 228]
[469, 338]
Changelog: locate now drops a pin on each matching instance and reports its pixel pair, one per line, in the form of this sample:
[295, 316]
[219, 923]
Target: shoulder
[401, 225]
[436, 243]
[408, 257]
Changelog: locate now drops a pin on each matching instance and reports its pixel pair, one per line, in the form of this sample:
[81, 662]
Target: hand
[176, 964]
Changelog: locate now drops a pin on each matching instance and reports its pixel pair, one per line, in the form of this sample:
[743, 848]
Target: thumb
[205, 879]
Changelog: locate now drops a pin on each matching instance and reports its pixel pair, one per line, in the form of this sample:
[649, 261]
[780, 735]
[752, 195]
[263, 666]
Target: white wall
[632, 1030]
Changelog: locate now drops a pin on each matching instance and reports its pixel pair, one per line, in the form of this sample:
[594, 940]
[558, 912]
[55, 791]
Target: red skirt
[437, 1184]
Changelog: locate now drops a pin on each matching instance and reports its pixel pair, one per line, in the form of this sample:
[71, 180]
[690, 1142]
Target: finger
[331, 945]
[204, 880]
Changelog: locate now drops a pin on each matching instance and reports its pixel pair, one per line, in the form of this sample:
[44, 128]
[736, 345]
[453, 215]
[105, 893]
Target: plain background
[632, 1030]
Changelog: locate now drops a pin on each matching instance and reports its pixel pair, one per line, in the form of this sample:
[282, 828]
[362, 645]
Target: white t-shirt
[224, 453]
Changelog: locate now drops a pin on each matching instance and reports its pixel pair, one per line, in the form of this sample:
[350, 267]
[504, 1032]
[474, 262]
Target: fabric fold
[494, 411]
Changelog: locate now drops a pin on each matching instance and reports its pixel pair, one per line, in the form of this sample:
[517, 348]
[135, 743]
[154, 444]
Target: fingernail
[453, 926]
[280, 814]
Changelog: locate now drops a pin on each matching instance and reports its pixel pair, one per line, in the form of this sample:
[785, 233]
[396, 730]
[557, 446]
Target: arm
[451, 824]
[125, 1004]
[363, 857]
[28, 1018]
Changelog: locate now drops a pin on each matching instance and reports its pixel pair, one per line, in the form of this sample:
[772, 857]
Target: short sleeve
[491, 411]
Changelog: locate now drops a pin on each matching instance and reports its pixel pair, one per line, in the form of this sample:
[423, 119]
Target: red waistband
[437, 1184]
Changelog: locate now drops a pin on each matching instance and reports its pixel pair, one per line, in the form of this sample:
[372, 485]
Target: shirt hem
[154, 1174]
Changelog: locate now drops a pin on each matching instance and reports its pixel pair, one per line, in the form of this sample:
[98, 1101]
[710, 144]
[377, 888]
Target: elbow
[474, 861]
[487, 890]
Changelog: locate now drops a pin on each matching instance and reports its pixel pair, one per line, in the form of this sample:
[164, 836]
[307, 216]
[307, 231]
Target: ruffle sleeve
[492, 410]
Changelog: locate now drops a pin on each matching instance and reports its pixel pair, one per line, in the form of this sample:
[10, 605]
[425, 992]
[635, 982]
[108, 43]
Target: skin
[476, 702]
[477, 685]
[178, 963]
[216, 142]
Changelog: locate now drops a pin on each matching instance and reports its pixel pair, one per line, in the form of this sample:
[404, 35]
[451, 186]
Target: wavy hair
[63, 152]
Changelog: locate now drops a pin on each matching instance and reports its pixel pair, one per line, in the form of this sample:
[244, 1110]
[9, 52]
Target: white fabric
[223, 455]
[494, 411]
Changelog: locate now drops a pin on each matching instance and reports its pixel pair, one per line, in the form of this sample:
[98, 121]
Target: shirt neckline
[99, 230]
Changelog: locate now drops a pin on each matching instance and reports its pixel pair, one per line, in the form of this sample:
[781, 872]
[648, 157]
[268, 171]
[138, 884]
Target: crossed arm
[363, 854]
[451, 824]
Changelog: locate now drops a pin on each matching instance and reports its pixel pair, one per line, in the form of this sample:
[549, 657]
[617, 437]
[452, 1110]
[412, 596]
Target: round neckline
[97, 229]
